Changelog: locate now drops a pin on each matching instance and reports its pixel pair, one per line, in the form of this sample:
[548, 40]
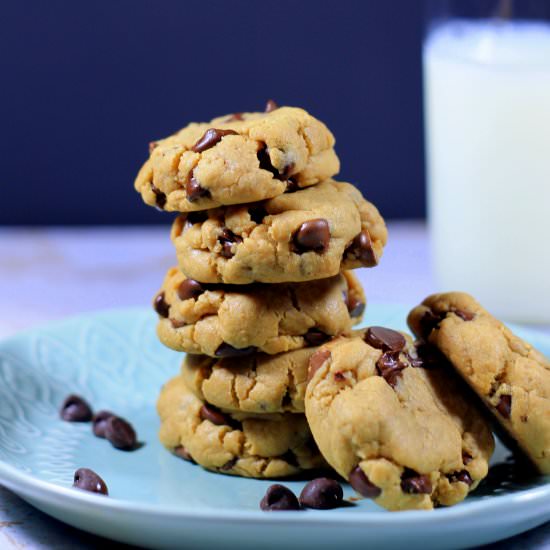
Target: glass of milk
[487, 120]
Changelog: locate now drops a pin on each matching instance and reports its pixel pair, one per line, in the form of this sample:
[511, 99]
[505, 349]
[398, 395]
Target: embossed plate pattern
[114, 360]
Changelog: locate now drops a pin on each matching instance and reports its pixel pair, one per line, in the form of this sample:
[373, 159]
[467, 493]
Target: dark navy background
[85, 86]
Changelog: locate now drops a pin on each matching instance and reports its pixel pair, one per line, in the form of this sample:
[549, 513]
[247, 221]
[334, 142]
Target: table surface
[48, 274]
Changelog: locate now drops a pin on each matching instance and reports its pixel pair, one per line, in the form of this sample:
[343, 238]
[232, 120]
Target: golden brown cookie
[511, 377]
[248, 447]
[228, 320]
[311, 234]
[394, 420]
[238, 158]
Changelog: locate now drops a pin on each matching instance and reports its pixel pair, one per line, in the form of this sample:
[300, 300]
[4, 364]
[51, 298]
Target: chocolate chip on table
[227, 239]
[88, 480]
[415, 484]
[99, 422]
[389, 366]
[504, 406]
[189, 288]
[75, 409]
[315, 337]
[322, 493]
[194, 190]
[160, 305]
[210, 138]
[160, 197]
[462, 476]
[279, 498]
[355, 306]
[313, 235]
[270, 106]
[211, 413]
[316, 361]
[361, 249]
[120, 433]
[183, 453]
[361, 483]
[227, 350]
[385, 339]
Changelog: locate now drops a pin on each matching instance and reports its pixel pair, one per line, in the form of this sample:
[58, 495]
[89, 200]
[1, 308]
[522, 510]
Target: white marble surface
[48, 274]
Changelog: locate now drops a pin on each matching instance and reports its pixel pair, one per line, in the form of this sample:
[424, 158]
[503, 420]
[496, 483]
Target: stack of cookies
[265, 239]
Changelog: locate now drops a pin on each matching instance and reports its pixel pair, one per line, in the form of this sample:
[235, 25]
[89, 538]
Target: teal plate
[115, 361]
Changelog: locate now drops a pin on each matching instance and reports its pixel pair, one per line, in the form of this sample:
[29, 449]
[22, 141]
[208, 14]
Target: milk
[487, 109]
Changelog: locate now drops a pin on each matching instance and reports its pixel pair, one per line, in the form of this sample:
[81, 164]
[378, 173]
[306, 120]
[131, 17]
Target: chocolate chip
[227, 239]
[265, 161]
[339, 376]
[229, 464]
[152, 146]
[292, 185]
[227, 350]
[430, 321]
[312, 235]
[177, 324]
[211, 413]
[75, 409]
[194, 190]
[234, 116]
[279, 497]
[355, 306]
[464, 315]
[196, 217]
[315, 337]
[415, 484]
[462, 476]
[361, 249]
[257, 214]
[189, 288]
[361, 483]
[385, 339]
[210, 138]
[100, 422]
[466, 457]
[427, 356]
[316, 361]
[120, 433]
[322, 494]
[389, 366]
[160, 197]
[182, 452]
[88, 480]
[160, 305]
[504, 406]
[270, 106]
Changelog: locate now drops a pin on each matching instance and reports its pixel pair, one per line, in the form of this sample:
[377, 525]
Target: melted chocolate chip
[462, 476]
[270, 106]
[390, 367]
[504, 406]
[355, 306]
[316, 361]
[227, 350]
[315, 337]
[194, 190]
[160, 305]
[160, 197]
[361, 483]
[189, 288]
[430, 321]
[427, 356]
[99, 423]
[88, 480]
[75, 409]
[182, 452]
[313, 235]
[227, 239]
[464, 315]
[385, 339]
[322, 494]
[415, 484]
[361, 249]
[265, 161]
[211, 413]
[120, 433]
[278, 497]
[210, 138]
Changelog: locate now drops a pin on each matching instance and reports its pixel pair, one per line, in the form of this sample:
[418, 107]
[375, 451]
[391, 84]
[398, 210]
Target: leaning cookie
[311, 234]
[248, 447]
[393, 419]
[511, 377]
[225, 320]
[238, 158]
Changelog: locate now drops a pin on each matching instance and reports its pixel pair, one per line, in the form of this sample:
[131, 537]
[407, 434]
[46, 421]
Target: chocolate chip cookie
[310, 234]
[228, 320]
[511, 377]
[244, 157]
[229, 444]
[392, 418]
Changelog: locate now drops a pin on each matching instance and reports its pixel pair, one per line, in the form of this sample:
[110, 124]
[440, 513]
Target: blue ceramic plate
[115, 361]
